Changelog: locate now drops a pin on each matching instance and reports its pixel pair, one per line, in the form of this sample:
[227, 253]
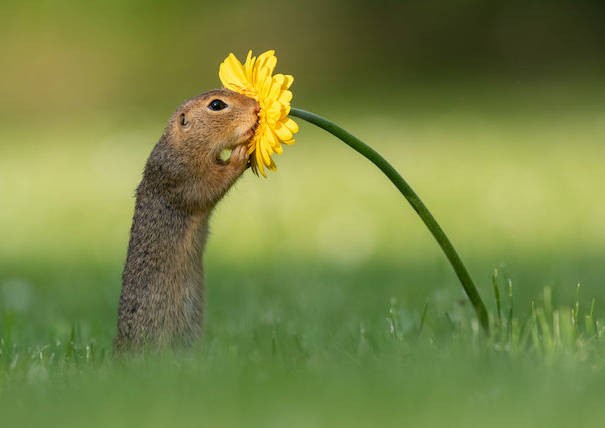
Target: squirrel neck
[163, 277]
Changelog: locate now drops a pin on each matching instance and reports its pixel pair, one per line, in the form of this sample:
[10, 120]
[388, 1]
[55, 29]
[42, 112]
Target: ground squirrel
[185, 176]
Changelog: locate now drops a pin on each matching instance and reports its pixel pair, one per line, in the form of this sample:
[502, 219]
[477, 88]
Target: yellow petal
[285, 97]
[282, 132]
[289, 79]
[248, 65]
[279, 149]
[258, 165]
[268, 61]
[264, 151]
[274, 90]
[292, 126]
[273, 112]
[279, 80]
[232, 74]
[272, 139]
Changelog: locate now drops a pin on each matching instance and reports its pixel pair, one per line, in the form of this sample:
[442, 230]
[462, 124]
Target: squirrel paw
[239, 158]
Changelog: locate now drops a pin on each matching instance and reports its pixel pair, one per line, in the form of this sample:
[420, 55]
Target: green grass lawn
[328, 303]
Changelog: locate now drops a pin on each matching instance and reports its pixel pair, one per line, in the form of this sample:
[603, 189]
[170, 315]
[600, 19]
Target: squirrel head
[185, 166]
[205, 125]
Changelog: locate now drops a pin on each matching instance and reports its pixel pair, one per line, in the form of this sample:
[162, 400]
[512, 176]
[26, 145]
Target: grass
[328, 303]
[323, 367]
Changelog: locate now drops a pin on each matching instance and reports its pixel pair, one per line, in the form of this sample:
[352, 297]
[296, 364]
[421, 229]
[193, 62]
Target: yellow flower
[254, 79]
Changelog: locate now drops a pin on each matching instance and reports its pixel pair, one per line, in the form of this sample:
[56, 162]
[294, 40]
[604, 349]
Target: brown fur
[163, 280]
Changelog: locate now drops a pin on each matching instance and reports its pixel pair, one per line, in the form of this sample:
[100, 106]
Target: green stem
[415, 202]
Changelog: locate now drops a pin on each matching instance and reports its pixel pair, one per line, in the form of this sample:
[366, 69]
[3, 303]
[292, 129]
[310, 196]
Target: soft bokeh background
[494, 112]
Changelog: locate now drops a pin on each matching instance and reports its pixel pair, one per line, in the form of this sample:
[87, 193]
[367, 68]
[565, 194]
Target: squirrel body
[161, 302]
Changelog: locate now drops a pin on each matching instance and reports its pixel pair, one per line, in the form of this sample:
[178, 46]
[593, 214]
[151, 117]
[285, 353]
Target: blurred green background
[494, 112]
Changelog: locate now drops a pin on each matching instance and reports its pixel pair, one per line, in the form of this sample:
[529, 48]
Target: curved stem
[415, 202]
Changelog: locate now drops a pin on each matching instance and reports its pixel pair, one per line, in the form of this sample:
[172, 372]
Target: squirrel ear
[184, 121]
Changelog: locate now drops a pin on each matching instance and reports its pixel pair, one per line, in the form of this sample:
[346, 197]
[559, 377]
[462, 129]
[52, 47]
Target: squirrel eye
[217, 105]
[183, 120]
